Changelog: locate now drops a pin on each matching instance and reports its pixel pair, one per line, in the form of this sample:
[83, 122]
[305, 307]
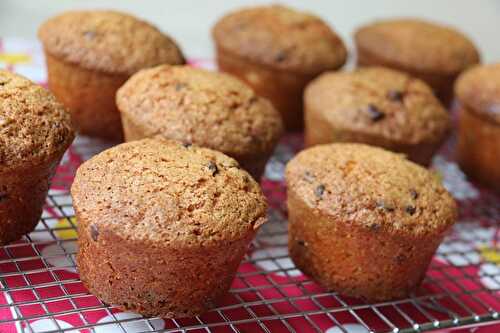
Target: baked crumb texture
[478, 94]
[90, 54]
[433, 52]
[35, 131]
[201, 107]
[277, 50]
[364, 222]
[377, 106]
[163, 225]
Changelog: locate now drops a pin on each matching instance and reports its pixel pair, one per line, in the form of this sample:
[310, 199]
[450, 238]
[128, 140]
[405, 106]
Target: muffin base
[254, 165]
[22, 197]
[441, 83]
[372, 264]
[283, 89]
[156, 279]
[479, 147]
[89, 95]
[319, 131]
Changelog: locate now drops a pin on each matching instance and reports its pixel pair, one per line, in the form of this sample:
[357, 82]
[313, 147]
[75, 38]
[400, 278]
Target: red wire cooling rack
[40, 290]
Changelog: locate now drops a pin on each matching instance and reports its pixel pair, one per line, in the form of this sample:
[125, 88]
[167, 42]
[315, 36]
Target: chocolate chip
[187, 144]
[3, 196]
[234, 105]
[319, 190]
[179, 86]
[414, 194]
[94, 232]
[374, 113]
[308, 177]
[385, 206]
[395, 95]
[281, 56]
[89, 34]
[213, 168]
[301, 242]
[411, 209]
[400, 259]
[374, 227]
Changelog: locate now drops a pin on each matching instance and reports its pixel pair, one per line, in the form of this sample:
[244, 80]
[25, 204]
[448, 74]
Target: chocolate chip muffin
[277, 50]
[35, 131]
[432, 52]
[162, 227]
[363, 221]
[376, 106]
[478, 94]
[209, 109]
[90, 54]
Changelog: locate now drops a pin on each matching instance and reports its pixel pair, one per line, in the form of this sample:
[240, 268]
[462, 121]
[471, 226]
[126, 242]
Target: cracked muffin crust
[432, 52]
[277, 50]
[90, 54]
[163, 225]
[478, 94]
[376, 106]
[35, 131]
[208, 109]
[360, 227]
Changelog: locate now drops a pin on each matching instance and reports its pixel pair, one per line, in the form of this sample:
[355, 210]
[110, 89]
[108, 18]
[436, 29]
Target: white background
[189, 21]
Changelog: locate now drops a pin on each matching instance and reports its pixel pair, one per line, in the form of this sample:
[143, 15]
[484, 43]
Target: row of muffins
[154, 214]
[83, 48]
[162, 226]
[91, 54]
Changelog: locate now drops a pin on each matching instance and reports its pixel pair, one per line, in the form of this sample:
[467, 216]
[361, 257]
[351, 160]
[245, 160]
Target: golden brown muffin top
[107, 41]
[34, 127]
[479, 89]
[162, 191]
[282, 38]
[371, 187]
[417, 44]
[380, 102]
[209, 109]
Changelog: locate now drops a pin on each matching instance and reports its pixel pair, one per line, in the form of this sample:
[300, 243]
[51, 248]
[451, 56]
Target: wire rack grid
[39, 281]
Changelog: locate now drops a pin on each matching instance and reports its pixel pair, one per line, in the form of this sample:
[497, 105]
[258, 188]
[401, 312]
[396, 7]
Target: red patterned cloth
[40, 288]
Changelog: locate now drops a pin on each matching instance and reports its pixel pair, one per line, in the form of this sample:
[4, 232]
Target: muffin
[376, 106]
[432, 52]
[478, 94]
[162, 227]
[363, 221]
[209, 109]
[90, 54]
[35, 131]
[277, 50]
